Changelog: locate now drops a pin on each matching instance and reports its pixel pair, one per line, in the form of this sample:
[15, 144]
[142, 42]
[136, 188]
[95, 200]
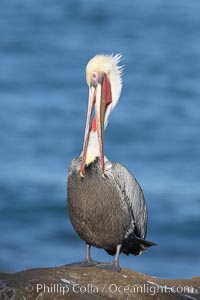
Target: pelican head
[103, 76]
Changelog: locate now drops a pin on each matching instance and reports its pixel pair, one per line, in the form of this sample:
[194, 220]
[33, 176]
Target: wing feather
[134, 197]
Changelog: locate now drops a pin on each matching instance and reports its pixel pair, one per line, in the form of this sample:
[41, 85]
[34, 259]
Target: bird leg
[87, 262]
[114, 265]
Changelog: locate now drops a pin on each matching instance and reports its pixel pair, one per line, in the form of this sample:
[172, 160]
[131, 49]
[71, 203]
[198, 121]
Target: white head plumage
[110, 65]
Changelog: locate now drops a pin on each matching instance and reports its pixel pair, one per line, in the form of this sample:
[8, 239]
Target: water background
[154, 130]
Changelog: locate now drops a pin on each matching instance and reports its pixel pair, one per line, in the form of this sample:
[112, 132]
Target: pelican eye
[94, 78]
[94, 75]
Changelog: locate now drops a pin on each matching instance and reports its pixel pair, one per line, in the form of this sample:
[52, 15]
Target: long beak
[91, 102]
[95, 98]
[100, 114]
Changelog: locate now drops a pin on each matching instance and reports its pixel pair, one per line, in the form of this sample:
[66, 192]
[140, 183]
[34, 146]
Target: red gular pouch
[106, 92]
[94, 124]
[106, 95]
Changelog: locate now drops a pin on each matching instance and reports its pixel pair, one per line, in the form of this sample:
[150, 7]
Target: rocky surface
[69, 282]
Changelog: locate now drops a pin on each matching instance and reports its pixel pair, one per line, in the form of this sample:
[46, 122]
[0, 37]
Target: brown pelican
[106, 204]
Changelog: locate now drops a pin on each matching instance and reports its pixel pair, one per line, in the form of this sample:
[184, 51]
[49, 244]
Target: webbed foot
[84, 263]
[109, 267]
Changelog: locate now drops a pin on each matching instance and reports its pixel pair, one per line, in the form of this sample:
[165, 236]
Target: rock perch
[69, 282]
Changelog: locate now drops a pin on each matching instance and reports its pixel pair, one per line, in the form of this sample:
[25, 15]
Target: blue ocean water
[154, 131]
